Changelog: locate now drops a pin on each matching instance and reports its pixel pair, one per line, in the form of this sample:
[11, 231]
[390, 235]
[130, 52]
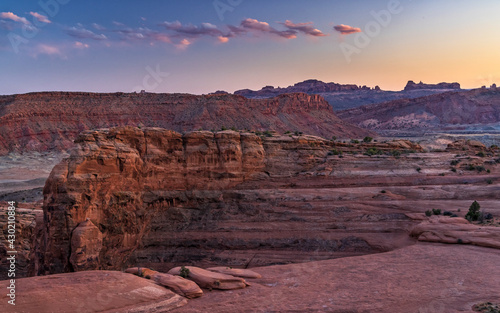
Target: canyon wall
[52, 120]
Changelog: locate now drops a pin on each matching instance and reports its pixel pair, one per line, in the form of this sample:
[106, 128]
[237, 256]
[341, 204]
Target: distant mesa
[307, 86]
[411, 85]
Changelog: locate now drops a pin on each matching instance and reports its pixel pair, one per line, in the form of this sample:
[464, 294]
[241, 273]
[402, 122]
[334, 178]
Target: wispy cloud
[206, 29]
[48, 50]
[143, 33]
[41, 18]
[346, 29]
[98, 27]
[183, 44]
[264, 27]
[82, 33]
[13, 17]
[306, 28]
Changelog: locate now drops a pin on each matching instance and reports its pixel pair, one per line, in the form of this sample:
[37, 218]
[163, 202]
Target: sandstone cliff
[52, 120]
[155, 196]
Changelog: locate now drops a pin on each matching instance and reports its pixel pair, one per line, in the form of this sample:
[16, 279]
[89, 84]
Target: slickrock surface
[423, 278]
[457, 230]
[52, 120]
[89, 291]
[477, 109]
[162, 200]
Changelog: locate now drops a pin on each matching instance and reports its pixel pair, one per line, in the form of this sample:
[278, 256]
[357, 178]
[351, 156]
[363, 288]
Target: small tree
[367, 139]
[473, 214]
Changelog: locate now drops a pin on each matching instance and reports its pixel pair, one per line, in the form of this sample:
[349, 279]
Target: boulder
[211, 280]
[177, 284]
[235, 272]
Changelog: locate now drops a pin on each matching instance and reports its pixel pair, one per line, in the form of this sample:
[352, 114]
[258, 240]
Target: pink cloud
[80, 45]
[223, 39]
[13, 17]
[346, 29]
[40, 17]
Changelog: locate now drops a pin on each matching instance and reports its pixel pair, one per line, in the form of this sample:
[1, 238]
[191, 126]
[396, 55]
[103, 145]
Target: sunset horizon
[198, 48]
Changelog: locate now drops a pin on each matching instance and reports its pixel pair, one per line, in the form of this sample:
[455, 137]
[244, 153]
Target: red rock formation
[52, 120]
[86, 244]
[411, 85]
[308, 86]
[122, 178]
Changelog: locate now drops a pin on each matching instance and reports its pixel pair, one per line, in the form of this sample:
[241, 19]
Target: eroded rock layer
[52, 120]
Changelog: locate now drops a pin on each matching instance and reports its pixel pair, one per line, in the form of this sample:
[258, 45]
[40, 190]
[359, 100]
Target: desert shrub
[354, 141]
[287, 132]
[396, 153]
[297, 133]
[428, 213]
[419, 169]
[367, 139]
[373, 151]
[447, 213]
[460, 241]
[454, 170]
[489, 182]
[488, 171]
[474, 213]
[480, 168]
[335, 152]
[268, 133]
[481, 154]
[234, 129]
[487, 216]
[497, 160]
[442, 174]
[184, 272]
[383, 191]
[436, 211]
[454, 162]
[258, 133]
[470, 167]
[334, 138]
[223, 128]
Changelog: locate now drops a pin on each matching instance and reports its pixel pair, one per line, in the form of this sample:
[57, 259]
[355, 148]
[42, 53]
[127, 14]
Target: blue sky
[195, 47]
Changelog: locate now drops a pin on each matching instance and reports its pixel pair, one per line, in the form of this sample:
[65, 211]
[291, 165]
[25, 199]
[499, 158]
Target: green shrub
[354, 141]
[428, 213]
[396, 153]
[454, 170]
[268, 133]
[373, 151]
[489, 182]
[474, 212]
[481, 154]
[184, 272]
[419, 169]
[447, 213]
[367, 139]
[436, 211]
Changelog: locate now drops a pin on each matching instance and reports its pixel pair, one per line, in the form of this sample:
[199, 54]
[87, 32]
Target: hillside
[474, 110]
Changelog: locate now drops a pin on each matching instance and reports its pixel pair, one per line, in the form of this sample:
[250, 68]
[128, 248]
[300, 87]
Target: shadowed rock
[211, 280]
[235, 272]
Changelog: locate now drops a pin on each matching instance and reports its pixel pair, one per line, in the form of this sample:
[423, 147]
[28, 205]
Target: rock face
[52, 120]
[464, 110]
[86, 244]
[211, 280]
[411, 85]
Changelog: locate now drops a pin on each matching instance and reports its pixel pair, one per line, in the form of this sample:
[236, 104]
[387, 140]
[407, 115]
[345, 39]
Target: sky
[200, 46]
